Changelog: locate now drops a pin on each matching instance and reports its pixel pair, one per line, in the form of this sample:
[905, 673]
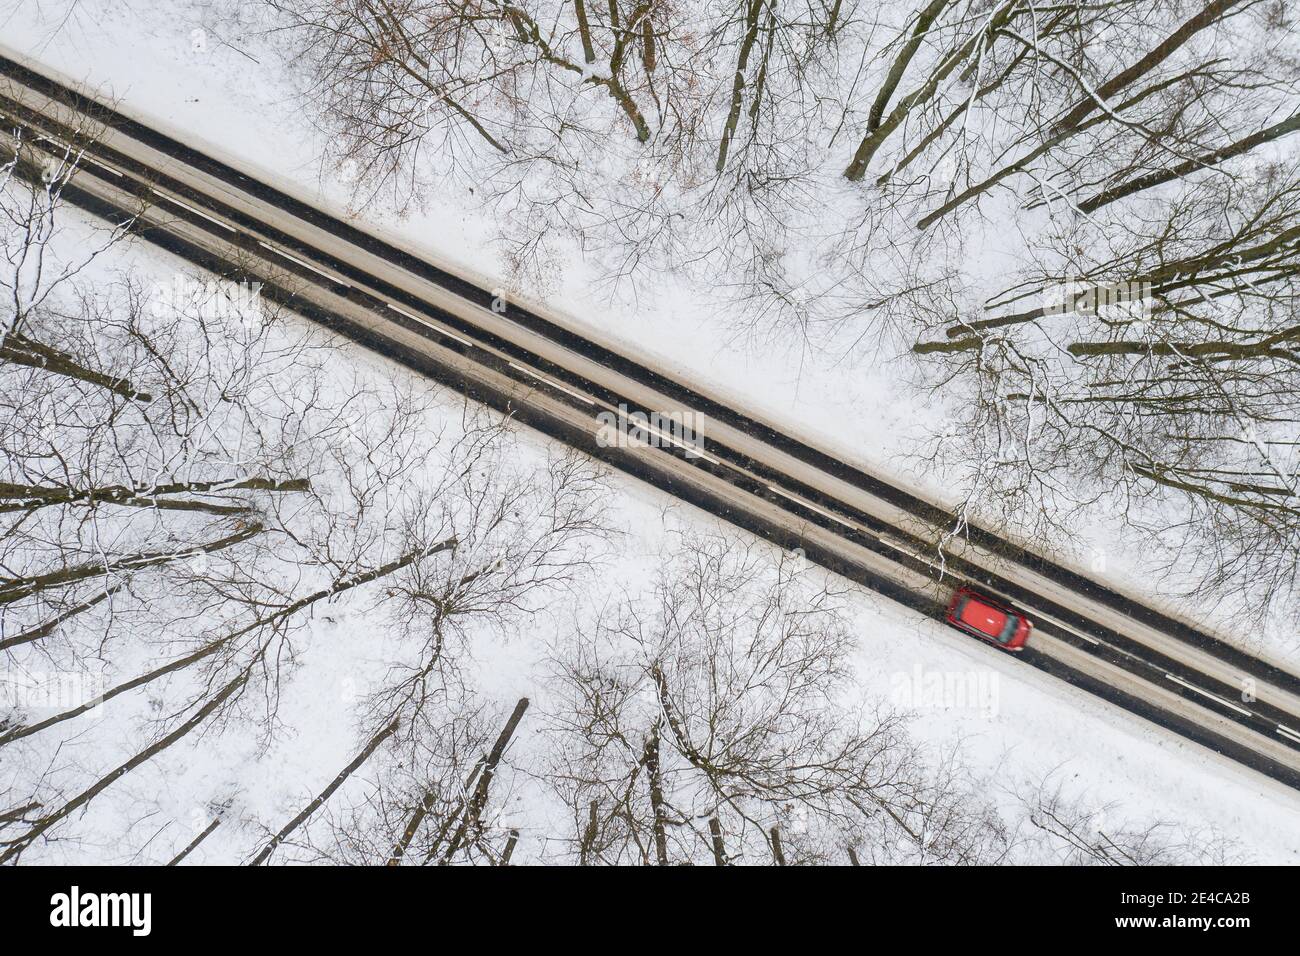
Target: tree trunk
[325, 794]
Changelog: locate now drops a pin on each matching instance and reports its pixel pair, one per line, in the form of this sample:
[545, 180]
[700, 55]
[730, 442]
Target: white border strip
[1287, 732]
[543, 378]
[1213, 697]
[425, 322]
[812, 507]
[185, 205]
[305, 265]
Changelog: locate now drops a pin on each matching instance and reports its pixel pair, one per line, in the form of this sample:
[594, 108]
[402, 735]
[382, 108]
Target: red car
[989, 619]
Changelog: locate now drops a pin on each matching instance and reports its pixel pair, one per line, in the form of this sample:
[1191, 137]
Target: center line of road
[1213, 697]
[103, 166]
[425, 322]
[691, 451]
[1287, 732]
[813, 507]
[543, 378]
[81, 154]
[305, 265]
[907, 551]
[184, 205]
[1043, 616]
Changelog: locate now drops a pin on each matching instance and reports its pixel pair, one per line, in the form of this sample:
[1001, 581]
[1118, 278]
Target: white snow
[229, 98]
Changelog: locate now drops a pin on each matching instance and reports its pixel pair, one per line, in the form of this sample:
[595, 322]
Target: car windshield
[1009, 631]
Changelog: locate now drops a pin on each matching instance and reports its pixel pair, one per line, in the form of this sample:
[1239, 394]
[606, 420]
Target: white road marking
[305, 265]
[543, 378]
[911, 554]
[812, 507]
[79, 152]
[1041, 616]
[1214, 697]
[690, 450]
[104, 166]
[673, 441]
[425, 322]
[197, 212]
[1287, 732]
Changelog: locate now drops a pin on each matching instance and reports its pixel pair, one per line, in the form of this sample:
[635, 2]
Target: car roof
[989, 599]
[985, 616]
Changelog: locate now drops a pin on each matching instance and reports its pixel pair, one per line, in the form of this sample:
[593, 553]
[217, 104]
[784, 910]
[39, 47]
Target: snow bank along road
[558, 381]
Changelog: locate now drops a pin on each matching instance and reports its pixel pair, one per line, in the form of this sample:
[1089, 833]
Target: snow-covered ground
[228, 92]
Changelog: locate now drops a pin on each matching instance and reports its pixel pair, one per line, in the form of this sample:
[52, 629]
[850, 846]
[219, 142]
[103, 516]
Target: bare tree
[191, 477]
[1162, 378]
[1062, 830]
[695, 719]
